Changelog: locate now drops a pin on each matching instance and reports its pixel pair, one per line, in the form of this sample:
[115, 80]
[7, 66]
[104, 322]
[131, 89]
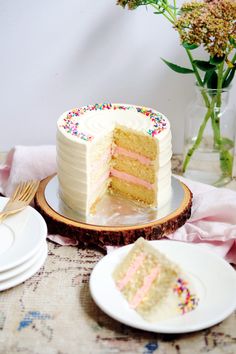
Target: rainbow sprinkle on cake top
[71, 123]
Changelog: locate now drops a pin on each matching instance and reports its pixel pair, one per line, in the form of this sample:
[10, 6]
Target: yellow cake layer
[141, 144]
[132, 191]
[134, 168]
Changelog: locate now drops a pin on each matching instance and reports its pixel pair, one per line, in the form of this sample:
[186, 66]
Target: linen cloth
[212, 223]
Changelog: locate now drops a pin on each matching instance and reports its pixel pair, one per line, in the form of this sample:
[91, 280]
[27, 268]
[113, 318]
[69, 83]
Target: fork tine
[17, 190]
[26, 190]
[34, 185]
[30, 191]
[13, 197]
[26, 193]
[21, 190]
[22, 197]
[30, 195]
[34, 188]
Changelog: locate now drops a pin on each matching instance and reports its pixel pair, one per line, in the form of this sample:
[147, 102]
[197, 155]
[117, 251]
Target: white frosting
[85, 139]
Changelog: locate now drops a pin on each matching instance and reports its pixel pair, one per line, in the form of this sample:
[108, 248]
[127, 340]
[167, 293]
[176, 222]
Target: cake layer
[141, 193]
[133, 191]
[161, 159]
[141, 144]
[133, 147]
[148, 172]
[157, 186]
[131, 178]
[135, 168]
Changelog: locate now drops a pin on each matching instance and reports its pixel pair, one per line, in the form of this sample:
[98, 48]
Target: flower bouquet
[210, 24]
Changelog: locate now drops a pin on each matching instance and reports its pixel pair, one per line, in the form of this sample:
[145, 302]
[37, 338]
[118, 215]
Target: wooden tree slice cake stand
[102, 236]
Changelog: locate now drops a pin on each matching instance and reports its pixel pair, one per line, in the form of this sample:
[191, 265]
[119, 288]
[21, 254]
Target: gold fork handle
[4, 215]
[16, 205]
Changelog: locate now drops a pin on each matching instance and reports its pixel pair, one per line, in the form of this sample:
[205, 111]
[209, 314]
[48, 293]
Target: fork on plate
[21, 197]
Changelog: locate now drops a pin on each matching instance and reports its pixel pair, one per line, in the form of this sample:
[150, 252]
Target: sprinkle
[71, 123]
[188, 301]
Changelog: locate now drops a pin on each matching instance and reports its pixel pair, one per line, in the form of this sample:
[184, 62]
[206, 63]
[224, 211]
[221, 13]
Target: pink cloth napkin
[213, 220]
[24, 163]
[212, 223]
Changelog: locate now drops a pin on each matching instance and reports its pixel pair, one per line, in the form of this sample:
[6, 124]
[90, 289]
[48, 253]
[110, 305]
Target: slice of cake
[154, 286]
[121, 148]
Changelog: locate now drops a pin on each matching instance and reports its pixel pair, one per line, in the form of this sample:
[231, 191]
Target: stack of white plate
[23, 247]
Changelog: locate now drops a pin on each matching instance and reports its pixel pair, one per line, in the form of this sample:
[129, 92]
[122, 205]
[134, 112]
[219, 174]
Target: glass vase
[209, 137]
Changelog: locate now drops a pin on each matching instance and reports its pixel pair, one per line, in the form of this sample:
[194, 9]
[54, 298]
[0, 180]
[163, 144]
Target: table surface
[53, 313]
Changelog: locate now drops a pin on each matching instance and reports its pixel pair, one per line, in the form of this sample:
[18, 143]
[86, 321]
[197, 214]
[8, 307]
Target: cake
[123, 149]
[153, 285]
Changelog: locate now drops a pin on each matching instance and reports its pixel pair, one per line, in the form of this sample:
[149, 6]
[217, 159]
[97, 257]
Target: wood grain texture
[101, 236]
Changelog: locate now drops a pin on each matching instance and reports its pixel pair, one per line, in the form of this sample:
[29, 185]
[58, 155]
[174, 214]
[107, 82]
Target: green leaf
[207, 76]
[204, 65]
[217, 60]
[177, 68]
[229, 78]
[190, 46]
[232, 41]
[212, 81]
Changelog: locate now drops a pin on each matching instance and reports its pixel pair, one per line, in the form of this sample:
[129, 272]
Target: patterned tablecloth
[53, 313]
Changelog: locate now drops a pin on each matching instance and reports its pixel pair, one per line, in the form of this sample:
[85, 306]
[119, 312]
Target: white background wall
[60, 54]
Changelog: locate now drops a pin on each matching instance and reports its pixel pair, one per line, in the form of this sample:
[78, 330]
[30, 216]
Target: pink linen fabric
[212, 223]
[213, 220]
[24, 163]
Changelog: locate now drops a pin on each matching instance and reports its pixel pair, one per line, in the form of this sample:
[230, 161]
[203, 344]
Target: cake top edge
[83, 125]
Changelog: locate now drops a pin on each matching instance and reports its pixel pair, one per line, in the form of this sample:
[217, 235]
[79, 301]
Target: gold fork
[22, 197]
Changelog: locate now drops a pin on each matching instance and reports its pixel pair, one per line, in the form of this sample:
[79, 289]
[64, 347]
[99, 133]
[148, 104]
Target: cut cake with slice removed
[125, 149]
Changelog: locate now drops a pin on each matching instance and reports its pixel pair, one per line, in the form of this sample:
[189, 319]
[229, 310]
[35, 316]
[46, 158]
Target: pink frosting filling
[132, 179]
[144, 160]
[144, 289]
[131, 271]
